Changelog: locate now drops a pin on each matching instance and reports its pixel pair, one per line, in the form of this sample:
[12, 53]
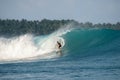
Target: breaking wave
[80, 42]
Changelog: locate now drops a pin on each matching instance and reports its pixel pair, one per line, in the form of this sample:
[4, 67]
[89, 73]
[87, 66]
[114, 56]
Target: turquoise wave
[86, 42]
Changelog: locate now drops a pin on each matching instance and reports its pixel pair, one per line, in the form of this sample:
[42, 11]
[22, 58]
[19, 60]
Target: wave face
[92, 42]
[75, 42]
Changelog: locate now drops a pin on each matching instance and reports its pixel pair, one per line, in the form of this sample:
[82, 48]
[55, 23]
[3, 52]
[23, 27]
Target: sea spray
[28, 46]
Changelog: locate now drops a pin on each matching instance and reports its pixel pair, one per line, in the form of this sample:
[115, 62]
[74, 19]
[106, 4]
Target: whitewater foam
[25, 47]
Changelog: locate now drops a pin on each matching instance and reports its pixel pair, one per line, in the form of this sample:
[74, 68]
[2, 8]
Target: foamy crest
[24, 47]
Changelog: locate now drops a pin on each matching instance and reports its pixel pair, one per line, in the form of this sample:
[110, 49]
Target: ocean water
[86, 54]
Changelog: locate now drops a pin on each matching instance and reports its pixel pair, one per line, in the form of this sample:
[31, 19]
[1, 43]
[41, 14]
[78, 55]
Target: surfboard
[59, 52]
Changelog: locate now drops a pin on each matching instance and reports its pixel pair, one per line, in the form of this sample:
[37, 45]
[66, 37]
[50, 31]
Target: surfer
[59, 48]
[59, 45]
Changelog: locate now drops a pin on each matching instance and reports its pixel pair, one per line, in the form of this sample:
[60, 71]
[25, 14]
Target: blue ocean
[86, 54]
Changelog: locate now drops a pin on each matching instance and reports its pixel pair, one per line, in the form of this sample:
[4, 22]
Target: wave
[86, 42]
[82, 42]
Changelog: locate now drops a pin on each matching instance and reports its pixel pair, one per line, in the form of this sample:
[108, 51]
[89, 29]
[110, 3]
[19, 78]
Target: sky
[95, 11]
